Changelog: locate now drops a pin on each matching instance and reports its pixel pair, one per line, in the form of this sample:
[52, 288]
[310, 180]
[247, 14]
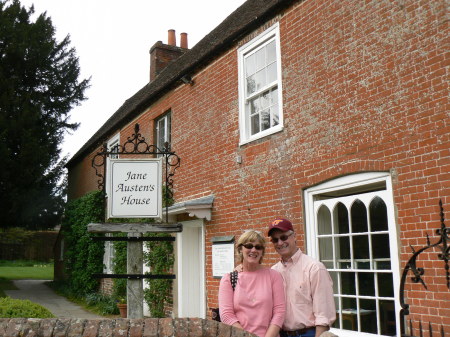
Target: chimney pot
[183, 41]
[171, 41]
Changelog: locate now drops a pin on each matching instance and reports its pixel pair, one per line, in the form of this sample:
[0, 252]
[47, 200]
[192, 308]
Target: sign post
[133, 189]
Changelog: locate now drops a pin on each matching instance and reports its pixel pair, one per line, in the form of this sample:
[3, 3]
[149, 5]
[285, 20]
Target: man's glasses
[250, 246]
[283, 237]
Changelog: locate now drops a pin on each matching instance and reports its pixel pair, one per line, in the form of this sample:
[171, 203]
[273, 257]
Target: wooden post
[135, 292]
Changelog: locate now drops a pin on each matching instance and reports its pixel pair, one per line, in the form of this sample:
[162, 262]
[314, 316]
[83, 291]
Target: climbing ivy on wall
[83, 256]
[159, 257]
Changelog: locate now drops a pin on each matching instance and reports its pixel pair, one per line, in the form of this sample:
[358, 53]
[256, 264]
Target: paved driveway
[36, 291]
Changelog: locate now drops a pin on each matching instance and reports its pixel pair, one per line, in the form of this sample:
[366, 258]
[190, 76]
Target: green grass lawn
[20, 270]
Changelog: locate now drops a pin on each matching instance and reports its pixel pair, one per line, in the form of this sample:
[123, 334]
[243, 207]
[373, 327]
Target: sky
[112, 40]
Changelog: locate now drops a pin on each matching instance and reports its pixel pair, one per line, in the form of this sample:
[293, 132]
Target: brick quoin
[365, 89]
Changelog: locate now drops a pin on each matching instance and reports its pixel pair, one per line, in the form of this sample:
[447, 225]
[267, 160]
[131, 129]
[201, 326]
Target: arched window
[351, 229]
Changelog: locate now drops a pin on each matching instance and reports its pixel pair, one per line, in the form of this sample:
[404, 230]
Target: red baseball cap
[281, 224]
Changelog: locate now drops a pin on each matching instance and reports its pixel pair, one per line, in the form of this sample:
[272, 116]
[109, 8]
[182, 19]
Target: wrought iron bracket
[444, 255]
[137, 145]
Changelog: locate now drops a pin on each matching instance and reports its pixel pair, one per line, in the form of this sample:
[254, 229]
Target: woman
[257, 304]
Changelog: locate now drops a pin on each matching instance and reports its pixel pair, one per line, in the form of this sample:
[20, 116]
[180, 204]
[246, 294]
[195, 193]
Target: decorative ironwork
[444, 255]
[137, 145]
[421, 330]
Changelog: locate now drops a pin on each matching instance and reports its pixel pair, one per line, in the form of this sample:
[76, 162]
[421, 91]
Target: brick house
[331, 113]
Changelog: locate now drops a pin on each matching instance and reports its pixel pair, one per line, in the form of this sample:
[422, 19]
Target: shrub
[103, 304]
[14, 308]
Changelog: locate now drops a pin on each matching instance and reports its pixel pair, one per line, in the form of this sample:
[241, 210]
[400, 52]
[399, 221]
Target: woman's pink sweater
[257, 301]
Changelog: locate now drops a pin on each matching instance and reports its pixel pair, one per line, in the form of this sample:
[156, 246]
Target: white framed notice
[134, 188]
[222, 258]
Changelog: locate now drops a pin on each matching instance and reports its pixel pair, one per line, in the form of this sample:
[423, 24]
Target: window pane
[250, 65]
[169, 128]
[260, 79]
[271, 52]
[255, 124]
[383, 265]
[387, 318]
[265, 120]
[254, 106]
[378, 215]
[361, 247]
[367, 315]
[340, 218]
[348, 283]
[260, 59]
[343, 252]
[271, 73]
[275, 115]
[366, 284]
[324, 220]
[385, 285]
[274, 96]
[349, 312]
[161, 133]
[380, 246]
[359, 217]
[251, 85]
[326, 250]
[265, 100]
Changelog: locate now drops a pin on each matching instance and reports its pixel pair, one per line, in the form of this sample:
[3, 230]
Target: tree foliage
[39, 85]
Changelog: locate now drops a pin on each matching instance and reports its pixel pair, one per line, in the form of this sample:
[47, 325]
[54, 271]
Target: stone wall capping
[147, 327]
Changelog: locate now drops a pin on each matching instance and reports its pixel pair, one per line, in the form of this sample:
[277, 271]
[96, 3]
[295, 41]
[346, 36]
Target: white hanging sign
[134, 188]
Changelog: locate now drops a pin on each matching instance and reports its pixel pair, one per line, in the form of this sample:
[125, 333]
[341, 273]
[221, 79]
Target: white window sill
[263, 134]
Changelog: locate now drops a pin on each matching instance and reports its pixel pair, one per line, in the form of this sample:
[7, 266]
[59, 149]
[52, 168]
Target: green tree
[39, 85]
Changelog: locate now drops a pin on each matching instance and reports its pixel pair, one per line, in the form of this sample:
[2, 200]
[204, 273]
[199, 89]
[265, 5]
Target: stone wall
[148, 327]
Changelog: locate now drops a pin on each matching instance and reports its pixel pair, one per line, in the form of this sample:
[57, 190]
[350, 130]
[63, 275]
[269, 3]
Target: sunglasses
[250, 246]
[283, 237]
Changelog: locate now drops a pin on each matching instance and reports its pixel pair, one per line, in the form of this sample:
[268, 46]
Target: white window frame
[273, 33]
[356, 181]
[114, 141]
[166, 117]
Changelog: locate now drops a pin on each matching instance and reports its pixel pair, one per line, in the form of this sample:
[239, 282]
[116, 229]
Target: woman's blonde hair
[250, 236]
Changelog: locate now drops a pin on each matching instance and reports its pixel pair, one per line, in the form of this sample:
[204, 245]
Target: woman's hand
[238, 325]
[272, 331]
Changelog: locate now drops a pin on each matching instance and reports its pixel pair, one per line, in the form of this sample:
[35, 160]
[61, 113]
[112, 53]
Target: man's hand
[321, 329]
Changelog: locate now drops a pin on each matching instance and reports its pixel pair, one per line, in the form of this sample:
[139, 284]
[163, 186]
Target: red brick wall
[365, 88]
[82, 178]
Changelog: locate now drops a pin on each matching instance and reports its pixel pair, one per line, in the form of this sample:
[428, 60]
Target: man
[310, 308]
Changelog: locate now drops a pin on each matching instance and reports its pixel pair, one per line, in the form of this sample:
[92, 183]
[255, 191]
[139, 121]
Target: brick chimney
[162, 54]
